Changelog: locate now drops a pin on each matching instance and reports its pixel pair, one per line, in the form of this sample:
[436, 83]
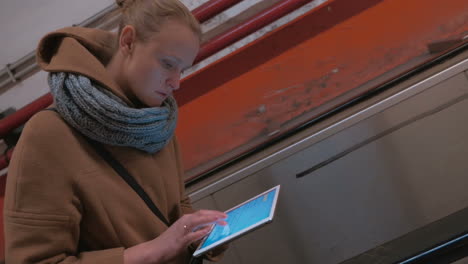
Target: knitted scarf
[104, 117]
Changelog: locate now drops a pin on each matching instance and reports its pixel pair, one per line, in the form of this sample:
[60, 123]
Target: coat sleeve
[42, 211]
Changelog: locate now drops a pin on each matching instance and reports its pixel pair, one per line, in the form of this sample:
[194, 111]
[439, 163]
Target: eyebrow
[179, 61]
[175, 58]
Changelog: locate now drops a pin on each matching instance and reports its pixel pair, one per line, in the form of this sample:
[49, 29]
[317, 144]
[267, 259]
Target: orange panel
[339, 46]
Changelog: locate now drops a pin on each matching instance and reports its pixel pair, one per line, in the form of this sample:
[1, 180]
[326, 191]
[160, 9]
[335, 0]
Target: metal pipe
[13, 121]
[18, 75]
[24, 72]
[6, 81]
[244, 29]
[13, 68]
[30, 56]
[10, 73]
[5, 75]
[212, 8]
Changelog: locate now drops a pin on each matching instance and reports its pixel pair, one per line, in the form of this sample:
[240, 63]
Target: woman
[64, 203]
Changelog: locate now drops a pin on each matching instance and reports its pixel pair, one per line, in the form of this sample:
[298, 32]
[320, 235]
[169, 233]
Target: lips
[161, 93]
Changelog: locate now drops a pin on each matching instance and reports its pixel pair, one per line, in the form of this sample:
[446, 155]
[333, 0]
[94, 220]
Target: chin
[154, 103]
[145, 103]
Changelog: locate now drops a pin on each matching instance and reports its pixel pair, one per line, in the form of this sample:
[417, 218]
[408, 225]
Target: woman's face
[151, 69]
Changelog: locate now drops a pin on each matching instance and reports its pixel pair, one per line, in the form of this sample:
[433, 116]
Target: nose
[174, 81]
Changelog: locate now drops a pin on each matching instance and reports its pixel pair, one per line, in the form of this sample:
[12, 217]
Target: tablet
[241, 219]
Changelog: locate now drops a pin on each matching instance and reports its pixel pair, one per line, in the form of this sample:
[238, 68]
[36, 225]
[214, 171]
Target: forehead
[175, 38]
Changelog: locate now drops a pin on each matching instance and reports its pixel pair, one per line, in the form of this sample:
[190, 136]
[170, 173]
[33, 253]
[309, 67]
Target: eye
[167, 65]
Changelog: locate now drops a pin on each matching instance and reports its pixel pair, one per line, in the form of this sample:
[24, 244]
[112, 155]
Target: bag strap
[126, 176]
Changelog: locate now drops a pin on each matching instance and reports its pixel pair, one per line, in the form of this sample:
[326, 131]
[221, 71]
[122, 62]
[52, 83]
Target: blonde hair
[147, 16]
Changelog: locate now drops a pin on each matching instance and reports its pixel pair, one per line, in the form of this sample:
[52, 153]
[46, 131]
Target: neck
[115, 70]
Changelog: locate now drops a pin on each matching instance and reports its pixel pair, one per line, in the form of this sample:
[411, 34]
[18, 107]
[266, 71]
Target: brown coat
[63, 203]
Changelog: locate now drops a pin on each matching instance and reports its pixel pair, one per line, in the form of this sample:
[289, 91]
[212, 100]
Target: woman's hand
[175, 240]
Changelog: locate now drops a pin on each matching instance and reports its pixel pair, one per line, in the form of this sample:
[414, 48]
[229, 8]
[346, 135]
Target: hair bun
[120, 3]
[124, 3]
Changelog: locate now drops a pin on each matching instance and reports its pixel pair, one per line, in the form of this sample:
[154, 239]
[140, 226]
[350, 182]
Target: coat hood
[84, 51]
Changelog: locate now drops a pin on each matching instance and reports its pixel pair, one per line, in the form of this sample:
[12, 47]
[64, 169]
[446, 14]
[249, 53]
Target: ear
[127, 39]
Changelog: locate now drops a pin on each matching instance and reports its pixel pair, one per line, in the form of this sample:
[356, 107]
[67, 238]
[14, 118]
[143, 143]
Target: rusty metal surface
[266, 88]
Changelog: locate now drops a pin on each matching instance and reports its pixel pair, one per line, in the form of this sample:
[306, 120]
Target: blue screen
[243, 217]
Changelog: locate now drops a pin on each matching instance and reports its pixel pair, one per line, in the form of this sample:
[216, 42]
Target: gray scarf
[104, 117]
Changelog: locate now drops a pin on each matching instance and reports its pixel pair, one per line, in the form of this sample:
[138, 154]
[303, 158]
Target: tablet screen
[241, 219]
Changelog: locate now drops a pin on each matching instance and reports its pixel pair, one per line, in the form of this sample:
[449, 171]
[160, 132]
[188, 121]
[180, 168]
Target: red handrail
[212, 8]
[18, 118]
[251, 25]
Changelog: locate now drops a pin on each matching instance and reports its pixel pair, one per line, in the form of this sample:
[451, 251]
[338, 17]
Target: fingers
[222, 223]
[206, 217]
[211, 212]
[197, 225]
[197, 235]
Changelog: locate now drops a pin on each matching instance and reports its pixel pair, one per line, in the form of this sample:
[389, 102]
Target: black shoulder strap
[128, 178]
